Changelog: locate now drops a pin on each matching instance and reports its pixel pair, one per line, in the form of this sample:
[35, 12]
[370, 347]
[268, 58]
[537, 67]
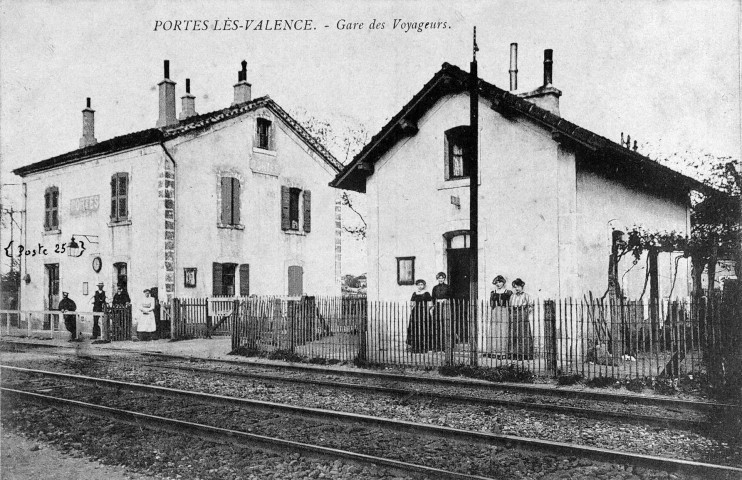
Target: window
[189, 277]
[405, 270]
[119, 197]
[121, 276]
[296, 281]
[230, 201]
[264, 134]
[458, 153]
[296, 209]
[224, 279]
[51, 208]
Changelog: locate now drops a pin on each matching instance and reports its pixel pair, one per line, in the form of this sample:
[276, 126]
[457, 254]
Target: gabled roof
[157, 135]
[451, 79]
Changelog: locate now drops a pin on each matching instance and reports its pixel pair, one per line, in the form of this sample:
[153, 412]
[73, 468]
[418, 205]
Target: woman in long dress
[146, 324]
[496, 329]
[520, 338]
[419, 335]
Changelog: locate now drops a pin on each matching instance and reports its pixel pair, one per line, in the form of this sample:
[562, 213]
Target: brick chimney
[167, 100]
[188, 108]
[88, 127]
[242, 88]
[545, 96]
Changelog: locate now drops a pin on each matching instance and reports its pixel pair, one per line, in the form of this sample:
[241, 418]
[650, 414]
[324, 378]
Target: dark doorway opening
[457, 255]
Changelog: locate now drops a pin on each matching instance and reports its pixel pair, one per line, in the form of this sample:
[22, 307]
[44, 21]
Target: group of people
[144, 324]
[510, 319]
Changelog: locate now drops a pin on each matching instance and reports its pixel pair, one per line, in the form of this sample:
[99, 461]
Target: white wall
[604, 204]
[227, 148]
[410, 203]
[134, 244]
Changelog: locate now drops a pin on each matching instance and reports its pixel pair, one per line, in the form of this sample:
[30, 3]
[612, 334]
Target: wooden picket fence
[588, 336]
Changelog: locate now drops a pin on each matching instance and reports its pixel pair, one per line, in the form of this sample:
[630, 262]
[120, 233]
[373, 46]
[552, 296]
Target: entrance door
[51, 300]
[457, 256]
[122, 277]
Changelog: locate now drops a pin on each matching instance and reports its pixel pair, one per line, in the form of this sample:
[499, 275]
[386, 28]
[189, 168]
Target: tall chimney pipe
[188, 105]
[167, 100]
[242, 89]
[88, 126]
[548, 62]
[513, 66]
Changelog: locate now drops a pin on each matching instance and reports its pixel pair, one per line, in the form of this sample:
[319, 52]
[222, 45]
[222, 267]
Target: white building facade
[234, 202]
[551, 196]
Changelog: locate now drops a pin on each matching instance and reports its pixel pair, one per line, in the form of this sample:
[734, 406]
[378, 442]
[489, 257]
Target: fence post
[174, 318]
[444, 310]
[292, 307]
[104, 327]
[235, 322]
[550, 329]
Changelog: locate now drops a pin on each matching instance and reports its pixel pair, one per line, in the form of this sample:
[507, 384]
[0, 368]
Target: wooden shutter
[271, 137]
[114, 198]
[307, 211]
[217, 279]
[244, 280]
[296, 287]
[285, 202]
[55, 208]
[235, 201]
[47, 209]
[123, 193]
[226, 196]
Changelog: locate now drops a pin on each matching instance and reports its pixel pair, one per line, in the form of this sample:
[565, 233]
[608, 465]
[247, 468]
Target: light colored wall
[134, 244]
[410, 203]
[604, 204]
[227, 148]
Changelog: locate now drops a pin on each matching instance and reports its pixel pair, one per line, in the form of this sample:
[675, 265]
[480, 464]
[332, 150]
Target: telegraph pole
[473, 204]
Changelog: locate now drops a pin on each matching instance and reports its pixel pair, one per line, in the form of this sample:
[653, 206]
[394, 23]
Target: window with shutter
[230, 201]
[119, 197]
[264, 134]
[294, 208]
[244, 280]
[51, 208]
[307, 195]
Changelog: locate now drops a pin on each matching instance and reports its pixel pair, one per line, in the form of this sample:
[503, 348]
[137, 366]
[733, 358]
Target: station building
[553, 197]
[233, 202]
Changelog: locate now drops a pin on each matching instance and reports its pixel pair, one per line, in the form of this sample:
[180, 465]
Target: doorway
[51, 285]
[122, 278]
[457, 256]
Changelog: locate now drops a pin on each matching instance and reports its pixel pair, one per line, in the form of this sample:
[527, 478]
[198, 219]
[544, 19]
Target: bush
[569, 379]
[497, 374]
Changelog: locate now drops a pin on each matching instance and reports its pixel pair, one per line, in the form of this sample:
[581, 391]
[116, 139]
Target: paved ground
[24, 459]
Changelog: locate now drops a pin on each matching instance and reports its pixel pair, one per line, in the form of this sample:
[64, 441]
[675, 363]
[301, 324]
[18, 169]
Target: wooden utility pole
[473, 204]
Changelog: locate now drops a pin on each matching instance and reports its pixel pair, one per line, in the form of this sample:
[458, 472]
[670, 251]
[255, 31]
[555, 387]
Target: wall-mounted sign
[97, 264]
[84, 205]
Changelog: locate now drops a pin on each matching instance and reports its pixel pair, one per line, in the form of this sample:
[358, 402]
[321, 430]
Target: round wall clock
[97, 264]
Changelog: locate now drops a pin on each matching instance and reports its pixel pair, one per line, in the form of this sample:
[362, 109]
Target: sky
[665, 72]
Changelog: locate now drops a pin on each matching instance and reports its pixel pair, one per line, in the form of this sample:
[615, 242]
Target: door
[122, 278]
[51, 300]
[458, 279]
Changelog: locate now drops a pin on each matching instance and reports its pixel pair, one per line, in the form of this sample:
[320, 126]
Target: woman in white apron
[146, 325]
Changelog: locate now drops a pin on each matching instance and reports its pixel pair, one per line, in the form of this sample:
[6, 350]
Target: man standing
[70, 321]
[99, 305]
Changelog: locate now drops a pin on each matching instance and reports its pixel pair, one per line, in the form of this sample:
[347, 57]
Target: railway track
[404, 434]
[530, 395]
